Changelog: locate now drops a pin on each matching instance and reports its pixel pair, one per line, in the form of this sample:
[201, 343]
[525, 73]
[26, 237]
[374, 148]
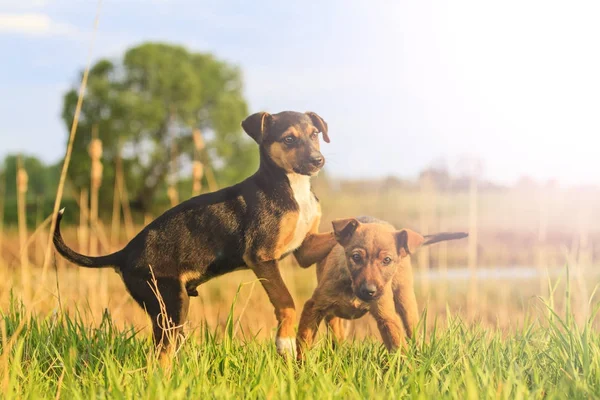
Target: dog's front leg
[407, 308]
[309, 324]
[314, 248]
[405, 299]
[285, 311]
[336, 327]
[389, 322]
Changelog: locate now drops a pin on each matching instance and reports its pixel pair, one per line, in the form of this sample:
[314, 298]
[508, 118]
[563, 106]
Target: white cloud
[33, 24]
[23, 4]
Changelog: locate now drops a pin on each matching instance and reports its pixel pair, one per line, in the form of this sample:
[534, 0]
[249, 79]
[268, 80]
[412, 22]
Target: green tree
[138, 104]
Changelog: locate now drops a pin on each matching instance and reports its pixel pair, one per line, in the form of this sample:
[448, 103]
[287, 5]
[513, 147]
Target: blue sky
[401, 84]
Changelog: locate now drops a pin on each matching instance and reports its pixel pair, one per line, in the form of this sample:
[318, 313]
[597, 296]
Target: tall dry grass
[502, 302]
[22, 181]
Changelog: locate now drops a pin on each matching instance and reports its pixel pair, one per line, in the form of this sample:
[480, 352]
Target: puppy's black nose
[368, 290]
[317, 160]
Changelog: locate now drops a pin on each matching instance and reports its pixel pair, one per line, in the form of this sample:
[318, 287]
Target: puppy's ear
[408, 242]
[256, 125]
[319, 123]
[344, 229]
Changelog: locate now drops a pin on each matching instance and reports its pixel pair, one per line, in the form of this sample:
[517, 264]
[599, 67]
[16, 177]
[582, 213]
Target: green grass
[59, 354]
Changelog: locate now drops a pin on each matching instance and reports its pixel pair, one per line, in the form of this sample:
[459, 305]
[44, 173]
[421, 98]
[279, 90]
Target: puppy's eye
[314, 136]
[387, 261]
[289, 140]
[356, 257]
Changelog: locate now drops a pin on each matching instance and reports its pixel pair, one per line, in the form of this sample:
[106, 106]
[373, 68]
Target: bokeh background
[466, 116]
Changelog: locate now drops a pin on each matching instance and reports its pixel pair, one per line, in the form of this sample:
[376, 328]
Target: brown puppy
[253, 224]
[369, 271]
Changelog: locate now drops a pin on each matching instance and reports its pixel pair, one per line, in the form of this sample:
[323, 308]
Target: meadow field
[62, 356]
[519, 323]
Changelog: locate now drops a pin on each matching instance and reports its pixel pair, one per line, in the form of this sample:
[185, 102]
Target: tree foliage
[148, 101]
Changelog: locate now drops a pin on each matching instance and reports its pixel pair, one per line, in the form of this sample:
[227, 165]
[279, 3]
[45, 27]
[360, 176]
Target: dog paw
[286, 346]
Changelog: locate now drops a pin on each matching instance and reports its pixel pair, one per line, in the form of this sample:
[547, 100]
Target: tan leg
[389, 322]
[336, 327]
[407, 308]
[406, 304]
[309, 324]
[281, 299]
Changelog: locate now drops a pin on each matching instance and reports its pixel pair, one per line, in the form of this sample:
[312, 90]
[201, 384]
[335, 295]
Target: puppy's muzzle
[367, 292]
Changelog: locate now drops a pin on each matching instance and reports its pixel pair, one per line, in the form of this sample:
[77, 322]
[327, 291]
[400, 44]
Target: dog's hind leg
[166, 301]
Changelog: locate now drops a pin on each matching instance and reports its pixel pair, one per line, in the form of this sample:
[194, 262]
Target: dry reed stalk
[198, 167]
[472, 247]
[59, 385]
[212, 181]
[39, 243]
[38, 231]
[170, 332]
[571, 255]
[443, 259]
[95, 151]
[2, 194]
[542, 258]
[35, 236]
[67, 160]
[127, 218]
[83, 230]
[22, 180]
[503, 312]
[245, 307]
[173, 195]
[200, 153]
[116, 212]
[172, 191]
[583, 264]
[198, 140]
[83, 234]
[197, 172]
[99, 228]
[425, 217]
[102, 236]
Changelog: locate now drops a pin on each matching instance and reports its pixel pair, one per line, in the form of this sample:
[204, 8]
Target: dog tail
[443, 236]
[80, 259]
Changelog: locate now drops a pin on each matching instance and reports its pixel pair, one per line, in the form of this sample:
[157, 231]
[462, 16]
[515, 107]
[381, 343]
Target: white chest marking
[308, 208]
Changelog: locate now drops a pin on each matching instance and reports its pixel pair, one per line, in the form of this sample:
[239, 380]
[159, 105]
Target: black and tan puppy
[370, 271]
[253, 224]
